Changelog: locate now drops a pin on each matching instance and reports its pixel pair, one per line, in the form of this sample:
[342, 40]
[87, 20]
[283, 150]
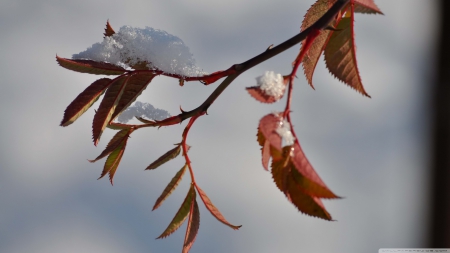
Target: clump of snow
[130, 45]
[140, 109]
[284, 130]
[271, 84]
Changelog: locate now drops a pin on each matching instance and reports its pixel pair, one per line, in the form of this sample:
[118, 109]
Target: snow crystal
[140, 109]
[271, 84]
[284, 130]
[130, 46]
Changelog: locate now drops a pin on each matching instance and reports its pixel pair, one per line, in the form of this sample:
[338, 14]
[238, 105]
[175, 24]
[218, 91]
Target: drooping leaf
[113, 161]
[114, 143]
[340, 54]
[181, 215]
[84, 101]
[294, 161]
[192, 227]
[109, 31]
[265, 150]
[169, 155]
[107, 107]
[90, 67]
[136, 84]
[306, 204]
[170, 187]
[317, 10]
[214, 211]
[268, 125]
[367, 6]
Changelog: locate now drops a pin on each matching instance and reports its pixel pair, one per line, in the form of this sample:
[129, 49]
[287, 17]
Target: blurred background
[377, 153]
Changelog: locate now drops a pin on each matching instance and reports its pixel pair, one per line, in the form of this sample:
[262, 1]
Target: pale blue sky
[374, 152]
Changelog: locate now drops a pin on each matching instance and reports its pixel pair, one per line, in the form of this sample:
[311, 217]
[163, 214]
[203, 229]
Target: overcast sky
[374, 152]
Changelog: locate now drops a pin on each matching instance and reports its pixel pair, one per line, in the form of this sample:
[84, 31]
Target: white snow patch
[284, 130]
[271, 84]
[129, 46]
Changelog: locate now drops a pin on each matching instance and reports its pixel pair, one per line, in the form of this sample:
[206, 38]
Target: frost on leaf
[284, 130]
[340, 54]
[144, 48]
[270, 87]
[140, 109]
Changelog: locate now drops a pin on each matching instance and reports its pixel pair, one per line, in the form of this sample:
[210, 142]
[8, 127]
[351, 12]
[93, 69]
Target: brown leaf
[340, 55]
[170, 187]
[317, 10]
[90, 67]
[214, 211]
[117, 140]
[367, 6]
[84, 101]
[265, 150]
[135, 85]
[261, 96]
[109, 31]
[192, 227]
[169, 155]
[107, 107]
[113, 161]
[181, 215]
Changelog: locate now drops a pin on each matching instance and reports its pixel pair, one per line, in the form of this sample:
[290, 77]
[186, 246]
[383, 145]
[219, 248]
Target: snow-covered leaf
[90, 66]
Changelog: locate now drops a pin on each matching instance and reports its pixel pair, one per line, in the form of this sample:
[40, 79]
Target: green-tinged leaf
[181, 215]
[192, 227]
[171, 154]
[340, 55]
[367, 6]
[109, 31]
[84, 101]
[118, 126]
[117, 140]
[90, 67]
[113, 161]
[214, 211]
[107, 107]
[170, 187]
[306, 204]
[135, 85]
[309, 62]
[145, 121]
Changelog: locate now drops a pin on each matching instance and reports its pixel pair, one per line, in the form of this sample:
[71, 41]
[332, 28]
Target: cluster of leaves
[291, 171]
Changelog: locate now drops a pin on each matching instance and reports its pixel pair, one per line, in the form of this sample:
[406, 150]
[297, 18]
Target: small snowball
[130, 45]
[271, 84]
[284, 130]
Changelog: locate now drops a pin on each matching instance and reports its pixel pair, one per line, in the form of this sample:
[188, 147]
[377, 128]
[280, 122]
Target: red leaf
[367, 6]
[340, 54]
[309, 62]
[259, 95]
[181, 215]
[265, 150]
[114, 143]
[213, 210]
[109, 31]
[268, 125]
[90, 67]
[135, 85]
[85, 100]
[107, 107]
[169, 155]
[170, 187]
[113, 160]
[192, 227]
[308, 179]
